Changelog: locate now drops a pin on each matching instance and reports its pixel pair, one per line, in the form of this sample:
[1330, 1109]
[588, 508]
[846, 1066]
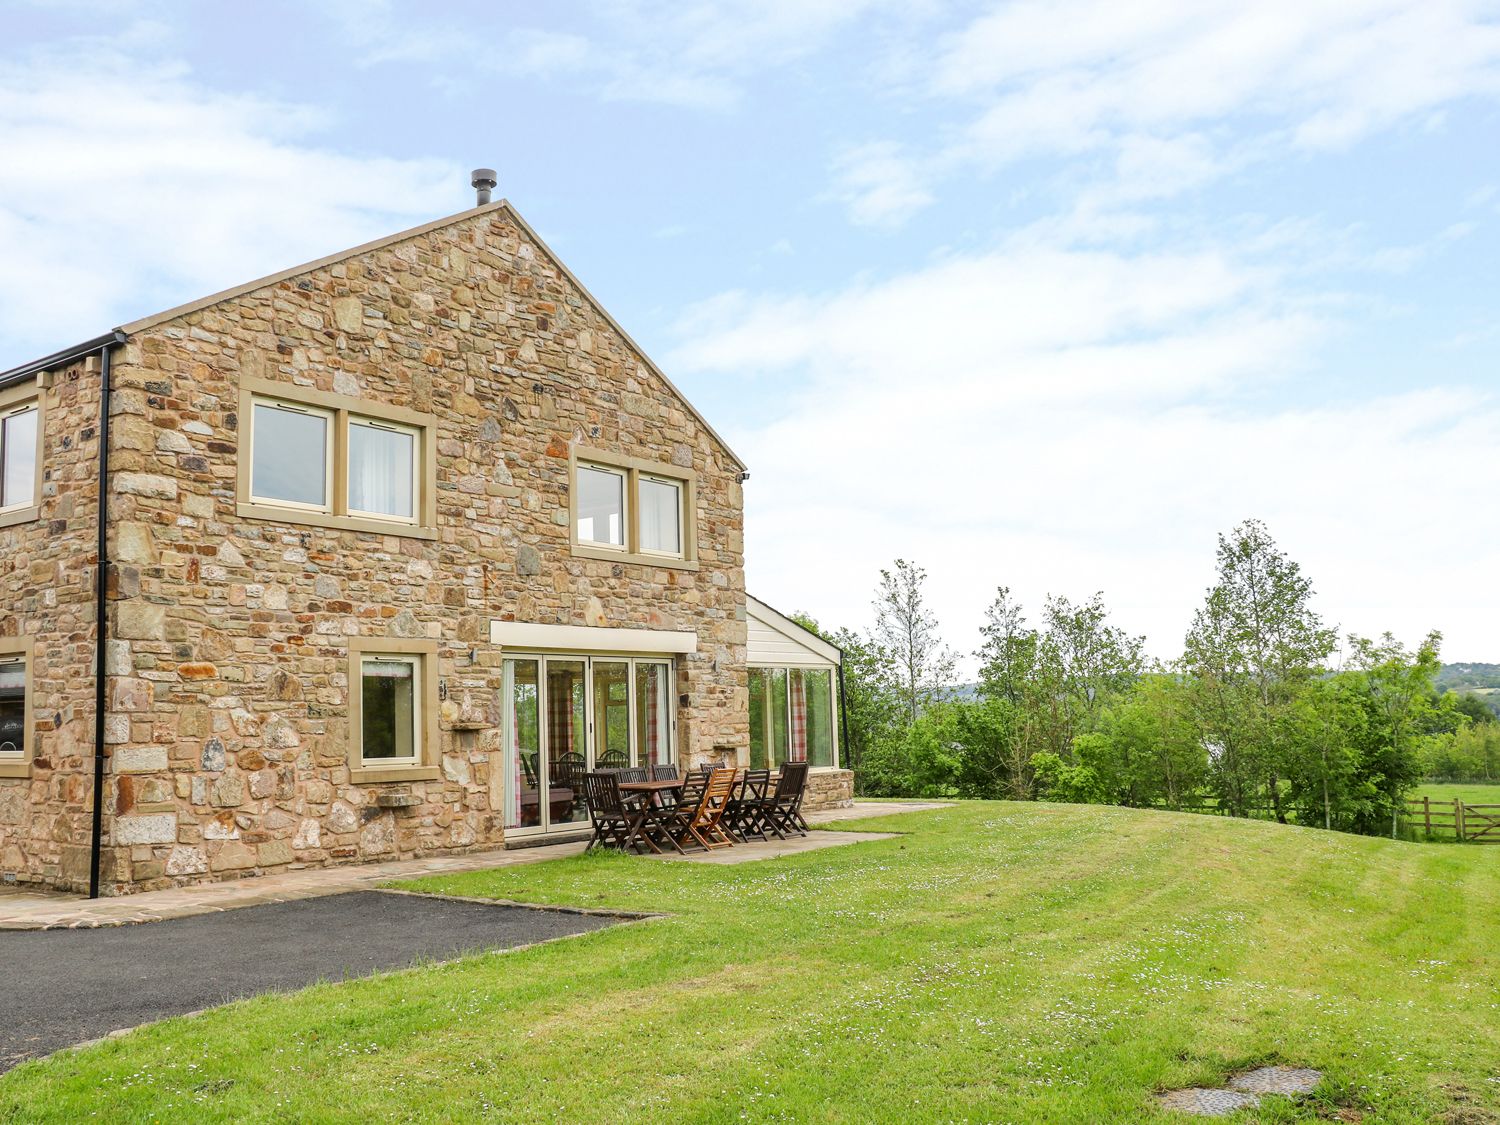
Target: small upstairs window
[661, 516]
[292, 455]
[382, 469]
[18, 455]
[601, 506]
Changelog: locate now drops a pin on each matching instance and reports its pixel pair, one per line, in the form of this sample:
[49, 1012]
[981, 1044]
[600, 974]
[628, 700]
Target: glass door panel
[653, 713]
[759, 759]
[611, 714]
[521, 749]
[780, 735]
[567, 741]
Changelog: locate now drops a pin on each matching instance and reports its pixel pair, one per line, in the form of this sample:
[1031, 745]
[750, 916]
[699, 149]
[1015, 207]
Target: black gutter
[843, 714]
[60, 359]
[101, 622]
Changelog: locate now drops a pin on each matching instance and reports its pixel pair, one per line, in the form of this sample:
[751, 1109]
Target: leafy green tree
[1253, 647]
[907, 629]
[873, 708]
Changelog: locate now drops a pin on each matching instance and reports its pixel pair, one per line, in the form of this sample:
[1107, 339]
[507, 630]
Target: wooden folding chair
[747, 812]
[783, 809]
[618, 823]
[702, 822]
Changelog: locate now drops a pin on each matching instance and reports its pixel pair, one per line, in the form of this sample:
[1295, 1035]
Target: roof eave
[61, 358]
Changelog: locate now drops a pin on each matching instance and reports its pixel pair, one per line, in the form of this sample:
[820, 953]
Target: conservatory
[794, 692]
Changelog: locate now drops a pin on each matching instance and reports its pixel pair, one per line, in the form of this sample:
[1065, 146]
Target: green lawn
[1469, 794]
[1002, 962]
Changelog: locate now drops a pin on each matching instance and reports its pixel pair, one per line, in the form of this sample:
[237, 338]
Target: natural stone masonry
[228, 694]
[47, 593]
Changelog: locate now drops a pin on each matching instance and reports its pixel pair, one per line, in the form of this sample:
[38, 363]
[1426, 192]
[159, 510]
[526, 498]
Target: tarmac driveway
[70, 986]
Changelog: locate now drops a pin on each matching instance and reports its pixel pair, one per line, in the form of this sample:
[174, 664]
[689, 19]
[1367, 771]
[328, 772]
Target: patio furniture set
[654, 809]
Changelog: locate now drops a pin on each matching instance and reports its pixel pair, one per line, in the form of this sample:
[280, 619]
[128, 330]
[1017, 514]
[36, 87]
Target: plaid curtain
[513, 797]
[559, 714]
[797, 750]
[652, 723]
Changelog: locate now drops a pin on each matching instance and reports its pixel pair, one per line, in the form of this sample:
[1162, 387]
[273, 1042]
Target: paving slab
[72, 986]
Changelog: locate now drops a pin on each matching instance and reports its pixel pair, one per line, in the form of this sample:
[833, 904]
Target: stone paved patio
[28, 910]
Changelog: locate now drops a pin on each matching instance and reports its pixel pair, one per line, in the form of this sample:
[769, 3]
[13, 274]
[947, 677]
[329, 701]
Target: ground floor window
[792, 717]
[566, 714]
[392, 709]
[391, 703]
[15, 706]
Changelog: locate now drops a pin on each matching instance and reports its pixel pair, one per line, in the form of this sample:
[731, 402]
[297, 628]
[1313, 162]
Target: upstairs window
[382, 469]
[633, 509]
[291, 460]
[334, 461]
[19, 431]
[601, 506]
[661, 516]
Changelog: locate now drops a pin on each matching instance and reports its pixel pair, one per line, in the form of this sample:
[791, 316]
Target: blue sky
[1038, 294]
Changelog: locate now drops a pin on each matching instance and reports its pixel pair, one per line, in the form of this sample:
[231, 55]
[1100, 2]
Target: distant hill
[1480, 679]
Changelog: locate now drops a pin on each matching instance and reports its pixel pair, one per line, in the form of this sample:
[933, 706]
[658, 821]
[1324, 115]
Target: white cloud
[879, 184]
[127, 187]
[697, 55]
[1155, 83]
[1067, 421]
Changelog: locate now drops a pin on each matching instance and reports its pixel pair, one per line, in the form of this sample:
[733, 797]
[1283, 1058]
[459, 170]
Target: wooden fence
[1475, 824]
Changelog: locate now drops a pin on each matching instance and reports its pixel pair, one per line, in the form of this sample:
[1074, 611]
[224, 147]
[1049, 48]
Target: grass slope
[1013, 962]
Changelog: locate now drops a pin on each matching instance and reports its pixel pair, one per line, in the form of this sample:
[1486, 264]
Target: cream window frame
[626, 507]
[671, 482]
[416, 468]
[633, 469]
[19, 764]
[330, 443]
[424, 766]
[14, 400]
[769, 709]
[346, 411]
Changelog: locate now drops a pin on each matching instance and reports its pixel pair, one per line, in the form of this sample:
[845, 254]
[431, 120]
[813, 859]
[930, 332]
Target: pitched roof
[68, 355]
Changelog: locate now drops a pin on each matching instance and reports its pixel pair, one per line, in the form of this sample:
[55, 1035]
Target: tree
[873, 710]
[1093, 662]
[1008, 653]
[908, 630]
[1253, 646]
[1398, 686]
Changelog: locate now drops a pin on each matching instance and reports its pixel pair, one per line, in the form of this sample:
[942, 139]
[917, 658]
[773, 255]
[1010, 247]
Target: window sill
[334, 523]
[605, 554]
[367, 774]
[13, 767]
[19, 515]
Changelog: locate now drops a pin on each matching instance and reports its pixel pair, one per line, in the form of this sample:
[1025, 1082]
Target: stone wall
[229, 697]
[829, 789]
[47, 593]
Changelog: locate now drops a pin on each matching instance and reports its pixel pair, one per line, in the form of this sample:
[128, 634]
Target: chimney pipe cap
[483, 179]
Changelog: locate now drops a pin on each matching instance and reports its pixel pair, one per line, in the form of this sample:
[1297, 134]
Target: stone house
[395, 544]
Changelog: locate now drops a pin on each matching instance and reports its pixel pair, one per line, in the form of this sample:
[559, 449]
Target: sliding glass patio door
[564, 715]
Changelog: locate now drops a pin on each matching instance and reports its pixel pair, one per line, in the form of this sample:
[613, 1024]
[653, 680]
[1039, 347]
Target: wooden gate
[1475, 824]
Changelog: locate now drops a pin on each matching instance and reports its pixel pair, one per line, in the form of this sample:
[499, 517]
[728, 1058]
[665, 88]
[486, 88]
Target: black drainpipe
[101, 622]
[843, 720]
